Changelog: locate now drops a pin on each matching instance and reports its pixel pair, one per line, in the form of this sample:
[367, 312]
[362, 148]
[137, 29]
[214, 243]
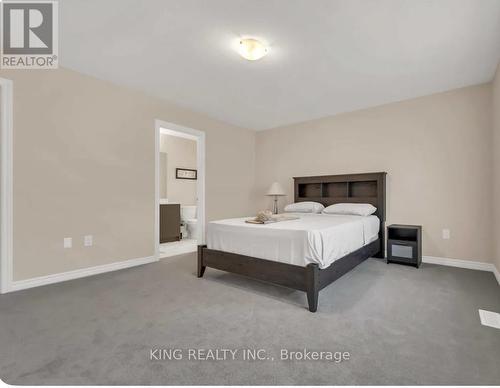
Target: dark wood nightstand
[404, 244]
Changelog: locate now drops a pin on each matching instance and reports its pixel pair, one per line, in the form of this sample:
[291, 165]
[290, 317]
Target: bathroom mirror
[163, 175]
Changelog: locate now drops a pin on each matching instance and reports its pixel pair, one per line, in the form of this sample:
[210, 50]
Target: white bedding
[313, 238]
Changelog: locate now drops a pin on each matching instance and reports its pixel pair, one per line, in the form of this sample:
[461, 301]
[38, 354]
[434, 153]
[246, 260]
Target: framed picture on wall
[186, 173]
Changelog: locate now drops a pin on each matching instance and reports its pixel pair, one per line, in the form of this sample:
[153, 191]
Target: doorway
[180, 189]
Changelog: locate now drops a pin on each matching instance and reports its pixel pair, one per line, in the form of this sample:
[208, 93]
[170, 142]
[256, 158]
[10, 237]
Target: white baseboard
[496, 272]
[477, 265]
[79, 273]
[84, 272]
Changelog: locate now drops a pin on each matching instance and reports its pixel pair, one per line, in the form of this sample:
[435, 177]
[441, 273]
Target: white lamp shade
[276, 189]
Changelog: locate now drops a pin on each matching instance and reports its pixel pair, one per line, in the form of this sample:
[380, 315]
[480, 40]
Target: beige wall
[496, 171]
[435, 149]
[84, 164]
[181, 153]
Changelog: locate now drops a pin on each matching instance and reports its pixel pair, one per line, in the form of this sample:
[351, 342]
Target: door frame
[6, 185]
[200, 183]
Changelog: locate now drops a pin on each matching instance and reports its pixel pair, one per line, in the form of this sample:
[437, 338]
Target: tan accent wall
[437, 153]
[84, 164]
[181, 153]
[496, 170]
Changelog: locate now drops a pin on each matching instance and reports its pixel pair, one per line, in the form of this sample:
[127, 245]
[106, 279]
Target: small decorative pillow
[264, 215]
[304, 207]
[356, 209]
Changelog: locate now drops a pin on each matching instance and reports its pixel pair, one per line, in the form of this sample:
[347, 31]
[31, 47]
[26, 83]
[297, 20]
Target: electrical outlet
[446, 234]
[68, 242]
[88, 240]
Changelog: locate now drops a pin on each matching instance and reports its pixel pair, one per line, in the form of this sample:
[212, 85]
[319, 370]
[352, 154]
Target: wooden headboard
[346, 188]
[350, 188]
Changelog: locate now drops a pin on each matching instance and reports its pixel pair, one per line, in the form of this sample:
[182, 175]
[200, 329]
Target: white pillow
[357, 209]
[304, 207]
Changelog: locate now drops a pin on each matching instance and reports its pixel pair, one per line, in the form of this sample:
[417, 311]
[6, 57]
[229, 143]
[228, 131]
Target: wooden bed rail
[310, 279]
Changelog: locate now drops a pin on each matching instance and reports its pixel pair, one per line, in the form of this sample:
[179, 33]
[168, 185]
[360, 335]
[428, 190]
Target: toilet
[188, 217]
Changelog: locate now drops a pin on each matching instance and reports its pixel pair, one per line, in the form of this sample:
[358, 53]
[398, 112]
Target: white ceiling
[326, 56]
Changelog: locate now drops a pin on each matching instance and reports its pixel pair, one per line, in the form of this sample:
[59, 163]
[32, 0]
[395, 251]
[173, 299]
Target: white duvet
[313, 238]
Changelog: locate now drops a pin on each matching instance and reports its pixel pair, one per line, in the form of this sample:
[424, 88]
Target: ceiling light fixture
[252, 49]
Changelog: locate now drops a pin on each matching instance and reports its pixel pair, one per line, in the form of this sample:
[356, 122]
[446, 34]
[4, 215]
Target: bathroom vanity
[170, 222]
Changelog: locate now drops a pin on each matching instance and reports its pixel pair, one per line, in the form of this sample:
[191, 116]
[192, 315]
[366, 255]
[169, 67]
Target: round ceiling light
[252, 49]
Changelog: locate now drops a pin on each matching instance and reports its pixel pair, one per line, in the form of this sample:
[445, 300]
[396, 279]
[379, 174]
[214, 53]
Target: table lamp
[277, 191]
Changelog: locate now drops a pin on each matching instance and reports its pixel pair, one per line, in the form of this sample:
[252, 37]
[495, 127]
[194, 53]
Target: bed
[308, 253]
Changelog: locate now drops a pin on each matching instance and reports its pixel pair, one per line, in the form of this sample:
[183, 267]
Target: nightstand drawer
[397, 249]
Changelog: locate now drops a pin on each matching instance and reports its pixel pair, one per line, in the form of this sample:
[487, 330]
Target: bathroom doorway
[180, 189]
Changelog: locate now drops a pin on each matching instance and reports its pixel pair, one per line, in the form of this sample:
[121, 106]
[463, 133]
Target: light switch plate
[68, 242]
[446, 234]
[88, 240]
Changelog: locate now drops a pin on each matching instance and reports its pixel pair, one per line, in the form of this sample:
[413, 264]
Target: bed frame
[328, 190]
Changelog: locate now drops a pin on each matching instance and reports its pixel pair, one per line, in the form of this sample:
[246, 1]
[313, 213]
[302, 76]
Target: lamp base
[275, 207]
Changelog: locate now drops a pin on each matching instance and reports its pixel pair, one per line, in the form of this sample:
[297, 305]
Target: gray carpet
[399, 324]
